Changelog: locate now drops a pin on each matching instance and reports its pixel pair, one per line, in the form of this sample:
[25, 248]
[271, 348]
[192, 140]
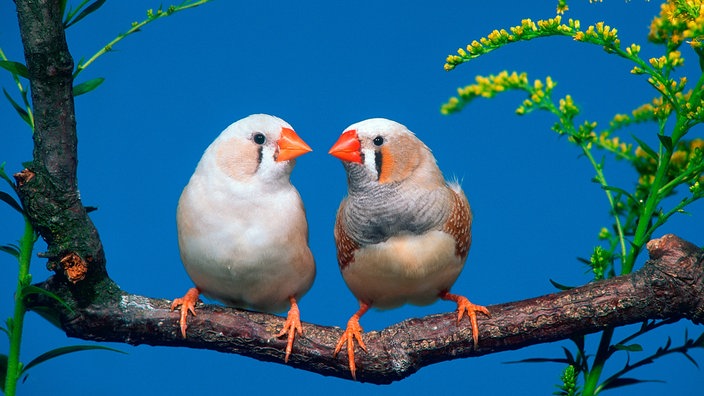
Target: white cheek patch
[369, 156]
[268, 153]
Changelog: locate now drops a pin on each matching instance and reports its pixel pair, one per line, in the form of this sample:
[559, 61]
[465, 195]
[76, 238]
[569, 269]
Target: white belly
[263, 281]
[242, 252]
[406, 269]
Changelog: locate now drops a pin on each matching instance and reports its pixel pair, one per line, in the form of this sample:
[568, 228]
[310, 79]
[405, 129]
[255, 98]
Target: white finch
[242, 228]
[402, 233]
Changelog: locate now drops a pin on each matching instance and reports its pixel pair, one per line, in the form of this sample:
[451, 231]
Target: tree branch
[48, 188]
[669, 286]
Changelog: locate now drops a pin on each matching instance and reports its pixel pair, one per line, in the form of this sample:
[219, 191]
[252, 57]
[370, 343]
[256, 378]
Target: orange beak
[347, 147]
[290, 145]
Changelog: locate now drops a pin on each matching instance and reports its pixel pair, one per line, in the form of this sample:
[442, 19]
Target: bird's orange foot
[352, 333]
[463, 304]
[291, 327]
[187, 304]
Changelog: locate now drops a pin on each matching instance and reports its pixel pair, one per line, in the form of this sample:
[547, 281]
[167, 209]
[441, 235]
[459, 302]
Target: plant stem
[609, 197]
[643, 230]
[591, 381]
[135, 28]
[14, 367]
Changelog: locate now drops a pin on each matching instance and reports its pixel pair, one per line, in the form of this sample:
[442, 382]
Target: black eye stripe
[377, 162]
[259, 157]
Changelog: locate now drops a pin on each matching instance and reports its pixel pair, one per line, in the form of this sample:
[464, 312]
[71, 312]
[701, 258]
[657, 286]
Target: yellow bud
[696, 144]
[678, 158]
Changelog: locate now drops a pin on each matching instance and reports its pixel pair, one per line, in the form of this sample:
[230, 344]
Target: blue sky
[322, 66]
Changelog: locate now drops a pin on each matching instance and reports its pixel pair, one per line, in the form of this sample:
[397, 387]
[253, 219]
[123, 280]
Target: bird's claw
[187, 304]
[352, 333]
[291, 327]
[463, 304]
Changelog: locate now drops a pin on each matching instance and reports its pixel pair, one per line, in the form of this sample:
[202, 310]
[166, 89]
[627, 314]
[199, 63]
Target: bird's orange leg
[352, 333]
[187, 303]
[292, 325]
[463, 304]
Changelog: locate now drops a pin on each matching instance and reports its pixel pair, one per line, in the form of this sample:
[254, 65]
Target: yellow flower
[679, 158]
[696, 144]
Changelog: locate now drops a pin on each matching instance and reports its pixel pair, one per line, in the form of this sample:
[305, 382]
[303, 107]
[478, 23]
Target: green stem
[591, 382]
[151, 17]
[609, 196]
[14, 367]
[643, 231]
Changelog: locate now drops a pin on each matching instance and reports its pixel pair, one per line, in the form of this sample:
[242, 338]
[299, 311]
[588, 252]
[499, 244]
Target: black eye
[259, 138]
[378, 141]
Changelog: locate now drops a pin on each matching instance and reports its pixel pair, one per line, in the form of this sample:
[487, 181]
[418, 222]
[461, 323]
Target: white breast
[248, 252]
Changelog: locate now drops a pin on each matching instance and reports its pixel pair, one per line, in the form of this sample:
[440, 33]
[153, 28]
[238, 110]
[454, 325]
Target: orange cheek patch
[398, 160]
[237, 158]
[388, 164]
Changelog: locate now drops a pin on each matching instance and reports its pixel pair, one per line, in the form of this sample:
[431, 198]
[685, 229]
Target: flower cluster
[486, 87]
[649, 112]
[614, 144]
[687, 158]
[569, 382]
[600, 34]
[601, 261]
[527, 30]
[679, 20]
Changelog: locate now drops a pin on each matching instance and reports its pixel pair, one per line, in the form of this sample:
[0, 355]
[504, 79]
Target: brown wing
[459, 223]
[346, 246]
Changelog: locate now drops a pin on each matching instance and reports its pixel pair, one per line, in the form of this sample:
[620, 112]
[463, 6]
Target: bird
[402, 233]
[242, 228]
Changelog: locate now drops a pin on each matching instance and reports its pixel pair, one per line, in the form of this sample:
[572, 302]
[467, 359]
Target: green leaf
[62, 6]
[87, 11]
[619, 382]
[15, 68]
[63, 351]
[560, 286]
[570, 358]
[699, 342]
[5, 177]
[19, 109]
[622, 192]
[579, 342]
[648, 150]
[87, 86]
[11, 249]
[629, 348]
[691, 359]
[539, 360]
[3, 372]
[31, 289]
[666, 141]
[7, 198]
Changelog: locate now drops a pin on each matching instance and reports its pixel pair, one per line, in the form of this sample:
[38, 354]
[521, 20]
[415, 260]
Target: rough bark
[48, 188]
[669, 286]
